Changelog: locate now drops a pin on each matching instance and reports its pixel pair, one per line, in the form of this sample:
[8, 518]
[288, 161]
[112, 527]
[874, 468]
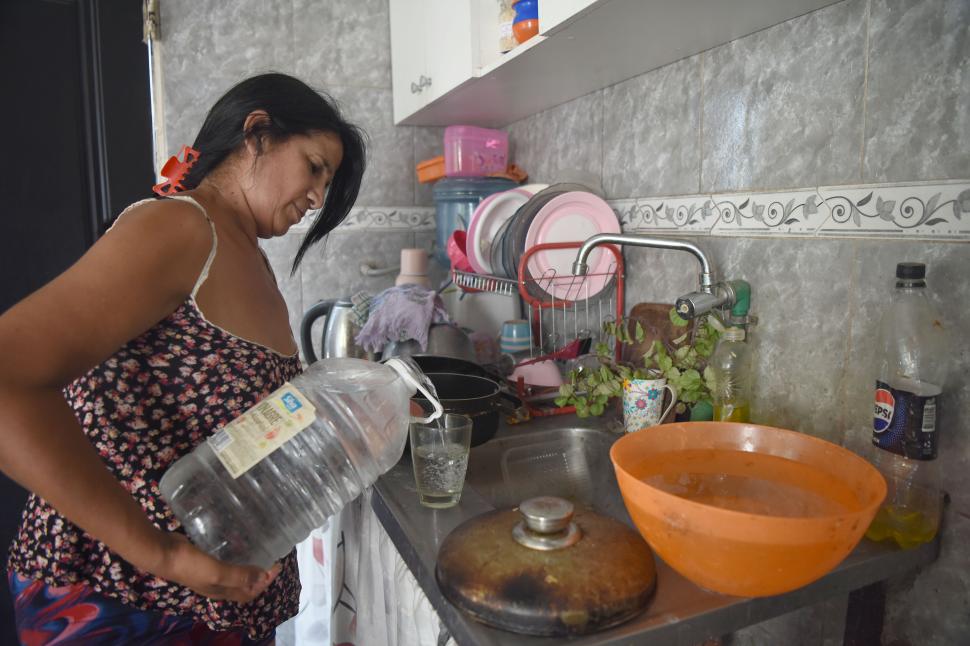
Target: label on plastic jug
[904, 422]
[262, 429]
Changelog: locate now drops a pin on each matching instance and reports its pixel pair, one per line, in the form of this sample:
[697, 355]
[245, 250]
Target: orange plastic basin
[743, 509]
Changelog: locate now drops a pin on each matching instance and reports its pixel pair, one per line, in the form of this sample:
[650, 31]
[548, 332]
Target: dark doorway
[78, 148]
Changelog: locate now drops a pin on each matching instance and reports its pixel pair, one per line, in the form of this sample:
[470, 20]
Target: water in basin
[726, 479]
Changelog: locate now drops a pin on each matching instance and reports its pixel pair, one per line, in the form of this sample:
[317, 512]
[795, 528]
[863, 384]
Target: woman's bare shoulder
[178, 219]
[132, 277]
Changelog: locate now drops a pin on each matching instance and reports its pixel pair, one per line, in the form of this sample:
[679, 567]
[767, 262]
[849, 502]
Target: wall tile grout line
[602, 169]
[414, 164]
[865, 94]
[854, 279]
[700, 125]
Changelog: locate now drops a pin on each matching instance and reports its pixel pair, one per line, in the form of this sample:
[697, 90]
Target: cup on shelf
[516, 336]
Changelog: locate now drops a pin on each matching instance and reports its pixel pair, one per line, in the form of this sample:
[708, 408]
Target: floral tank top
[143, 408]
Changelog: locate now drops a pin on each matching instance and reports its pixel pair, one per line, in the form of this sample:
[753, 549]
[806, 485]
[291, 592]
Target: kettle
[338, 333]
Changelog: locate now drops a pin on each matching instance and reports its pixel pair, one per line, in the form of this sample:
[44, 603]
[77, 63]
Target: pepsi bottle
[906, 421]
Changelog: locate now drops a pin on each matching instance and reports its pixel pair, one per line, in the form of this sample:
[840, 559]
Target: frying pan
[471, 395]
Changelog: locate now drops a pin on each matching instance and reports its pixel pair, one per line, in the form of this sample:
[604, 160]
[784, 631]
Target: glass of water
[439, 452]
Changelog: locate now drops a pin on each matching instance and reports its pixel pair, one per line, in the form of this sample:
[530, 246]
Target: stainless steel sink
[569, 457]
[570, 462]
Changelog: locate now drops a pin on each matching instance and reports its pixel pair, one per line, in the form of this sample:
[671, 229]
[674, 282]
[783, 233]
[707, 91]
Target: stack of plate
[506, 224]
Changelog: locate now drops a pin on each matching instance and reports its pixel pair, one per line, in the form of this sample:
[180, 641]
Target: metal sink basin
[569, 457]
[571, 462]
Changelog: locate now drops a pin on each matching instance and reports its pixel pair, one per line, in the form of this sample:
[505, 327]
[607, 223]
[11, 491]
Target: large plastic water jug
[259, 485]
[455, 200]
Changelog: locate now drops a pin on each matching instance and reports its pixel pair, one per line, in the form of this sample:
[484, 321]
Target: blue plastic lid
[526, 10]
[450, 188]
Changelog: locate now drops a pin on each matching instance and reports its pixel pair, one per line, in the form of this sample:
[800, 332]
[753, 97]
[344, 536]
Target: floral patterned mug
[643, 401]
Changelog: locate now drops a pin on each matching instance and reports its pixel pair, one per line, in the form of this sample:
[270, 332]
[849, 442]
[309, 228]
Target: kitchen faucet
[725, 294]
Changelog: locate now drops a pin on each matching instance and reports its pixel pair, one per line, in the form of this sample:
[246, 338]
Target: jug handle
[320, 309]
[406, 373]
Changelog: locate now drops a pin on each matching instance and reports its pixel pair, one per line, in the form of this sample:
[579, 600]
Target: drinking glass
[439, 452]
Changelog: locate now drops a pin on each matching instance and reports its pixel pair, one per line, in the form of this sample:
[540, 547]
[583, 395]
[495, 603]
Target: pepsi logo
[883, 414]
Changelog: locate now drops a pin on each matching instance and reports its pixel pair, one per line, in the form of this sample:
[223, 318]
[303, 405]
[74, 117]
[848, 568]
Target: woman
[179, 313]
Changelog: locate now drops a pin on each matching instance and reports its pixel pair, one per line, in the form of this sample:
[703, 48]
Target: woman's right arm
[136, 275]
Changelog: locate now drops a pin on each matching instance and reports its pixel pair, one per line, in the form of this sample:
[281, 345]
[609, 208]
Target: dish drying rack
[554, 320]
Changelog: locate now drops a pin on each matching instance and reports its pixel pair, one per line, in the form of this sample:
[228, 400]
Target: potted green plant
[682, 361]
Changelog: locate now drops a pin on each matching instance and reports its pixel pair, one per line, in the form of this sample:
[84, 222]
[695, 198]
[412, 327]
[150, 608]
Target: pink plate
[485, 223]
[571, 217]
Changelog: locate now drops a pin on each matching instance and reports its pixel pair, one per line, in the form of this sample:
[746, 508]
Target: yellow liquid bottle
[908, 528]
[912, 361]
[910, 516]
[730, 363]
[732, 412]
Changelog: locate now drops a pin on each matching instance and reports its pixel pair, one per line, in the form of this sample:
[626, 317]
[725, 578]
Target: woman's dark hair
[294, 108]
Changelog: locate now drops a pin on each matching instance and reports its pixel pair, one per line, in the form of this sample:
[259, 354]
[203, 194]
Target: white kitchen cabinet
[582, 46]
[407, 57]
[433, 51]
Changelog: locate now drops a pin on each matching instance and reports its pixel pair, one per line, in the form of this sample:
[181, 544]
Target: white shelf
[605, 42]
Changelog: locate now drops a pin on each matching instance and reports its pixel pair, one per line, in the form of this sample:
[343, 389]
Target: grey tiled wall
[861, 91]
[340, 47]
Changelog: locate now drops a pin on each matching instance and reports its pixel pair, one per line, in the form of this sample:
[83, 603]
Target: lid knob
[547, 524]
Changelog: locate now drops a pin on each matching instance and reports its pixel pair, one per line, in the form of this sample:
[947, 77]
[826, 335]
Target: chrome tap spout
[706, 278]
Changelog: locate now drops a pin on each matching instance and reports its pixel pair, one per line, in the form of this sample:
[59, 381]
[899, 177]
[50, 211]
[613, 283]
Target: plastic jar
[526, 23]
[475, 152]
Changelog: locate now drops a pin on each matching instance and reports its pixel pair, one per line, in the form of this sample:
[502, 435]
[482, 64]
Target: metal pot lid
[546, 569]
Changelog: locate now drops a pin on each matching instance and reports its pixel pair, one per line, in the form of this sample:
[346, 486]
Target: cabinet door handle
[415, 88]
[425, 81]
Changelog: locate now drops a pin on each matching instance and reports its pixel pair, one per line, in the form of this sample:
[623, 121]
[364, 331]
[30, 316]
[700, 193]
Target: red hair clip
[175, 171]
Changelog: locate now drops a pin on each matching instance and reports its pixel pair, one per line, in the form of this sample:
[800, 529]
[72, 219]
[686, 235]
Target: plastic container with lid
[526, 23]
[414, 268]
[731, 366]
[431, 170]
[455, 200]
[261, 483]
[475, 152]
[913, 359]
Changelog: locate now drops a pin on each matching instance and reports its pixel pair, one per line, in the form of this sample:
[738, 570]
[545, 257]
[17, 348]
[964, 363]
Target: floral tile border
[789, 213]
[692, 214]
[416, 218]
[927, 210]
[916, 210]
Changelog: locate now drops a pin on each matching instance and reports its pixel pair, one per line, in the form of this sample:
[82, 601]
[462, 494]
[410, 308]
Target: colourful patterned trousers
[76, 614]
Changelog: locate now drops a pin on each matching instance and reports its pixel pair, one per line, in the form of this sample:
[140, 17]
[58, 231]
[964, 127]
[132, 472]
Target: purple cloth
[401, 313]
